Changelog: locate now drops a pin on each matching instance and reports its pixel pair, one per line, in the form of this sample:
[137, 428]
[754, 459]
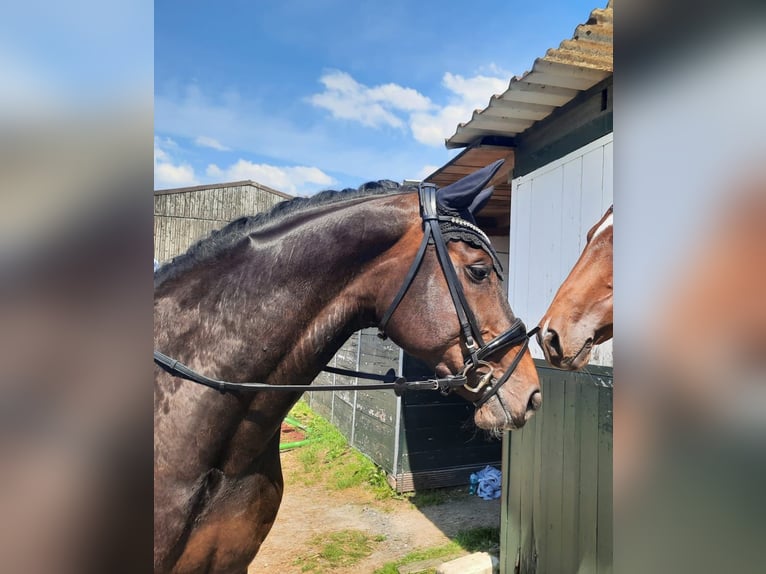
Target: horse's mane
[219, 240]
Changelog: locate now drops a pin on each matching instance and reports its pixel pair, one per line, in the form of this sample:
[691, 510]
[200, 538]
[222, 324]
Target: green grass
[329, 459]
[485, 539]
[337, 549]
[436, 496]
[444, 551]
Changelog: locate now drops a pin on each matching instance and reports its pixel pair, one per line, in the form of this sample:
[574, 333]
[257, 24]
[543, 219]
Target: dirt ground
[308, 510]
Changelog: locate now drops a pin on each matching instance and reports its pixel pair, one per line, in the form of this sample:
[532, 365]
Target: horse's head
[452, 311]
[580, 315]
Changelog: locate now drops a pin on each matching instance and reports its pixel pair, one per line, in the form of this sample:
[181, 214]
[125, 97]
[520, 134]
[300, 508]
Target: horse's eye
[478, 272]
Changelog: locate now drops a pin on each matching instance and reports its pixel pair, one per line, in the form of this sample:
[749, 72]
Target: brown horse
[580, 315]
[271, 299]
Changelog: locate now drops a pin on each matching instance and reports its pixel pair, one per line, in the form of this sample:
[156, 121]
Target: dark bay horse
[271, 299]
[580, 315]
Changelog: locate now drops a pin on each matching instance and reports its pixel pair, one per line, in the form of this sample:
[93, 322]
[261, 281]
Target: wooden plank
[572, 234]
[512, 479]
[604, 534]
[321, 402]
[529, 507]
[520, 261]
[378, 358]
[570, 473]
[444, 436]
[607, 192]
[374, 439]
[380, 405]
[172, 204]
[592, 186]
[588, 516]
[538, 479]
[505, 499]
[450, 456]
[545, 247]
[436, 415]
[341, 417]
[552, 471]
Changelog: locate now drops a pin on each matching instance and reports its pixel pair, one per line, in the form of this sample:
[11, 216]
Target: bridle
[478, 350]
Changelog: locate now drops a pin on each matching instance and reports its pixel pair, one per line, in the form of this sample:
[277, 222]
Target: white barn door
[552, 209]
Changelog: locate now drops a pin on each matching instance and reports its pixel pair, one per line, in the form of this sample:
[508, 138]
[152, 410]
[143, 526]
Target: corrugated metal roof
[576, 65]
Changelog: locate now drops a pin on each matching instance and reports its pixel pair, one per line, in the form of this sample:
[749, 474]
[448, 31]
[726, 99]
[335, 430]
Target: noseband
[477, 349]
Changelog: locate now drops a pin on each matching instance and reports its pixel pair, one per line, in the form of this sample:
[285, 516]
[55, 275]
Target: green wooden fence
[557, 484]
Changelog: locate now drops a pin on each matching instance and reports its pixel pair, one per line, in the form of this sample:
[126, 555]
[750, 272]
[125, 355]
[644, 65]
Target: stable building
[553, 126]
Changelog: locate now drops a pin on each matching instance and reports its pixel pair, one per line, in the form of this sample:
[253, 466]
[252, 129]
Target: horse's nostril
[553, 342]
[535, 401]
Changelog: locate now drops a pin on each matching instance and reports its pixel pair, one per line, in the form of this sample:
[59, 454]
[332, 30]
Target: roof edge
[223, 184]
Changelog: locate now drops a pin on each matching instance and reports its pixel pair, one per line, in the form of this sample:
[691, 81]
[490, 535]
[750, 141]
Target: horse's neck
[273, 309]
[277, 305]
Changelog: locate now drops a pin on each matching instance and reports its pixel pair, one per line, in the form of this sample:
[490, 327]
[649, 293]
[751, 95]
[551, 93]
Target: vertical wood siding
[557, 486]
[552, 209]
[186, 216]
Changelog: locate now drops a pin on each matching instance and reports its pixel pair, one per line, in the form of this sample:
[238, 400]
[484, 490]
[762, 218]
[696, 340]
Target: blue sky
[306, 95]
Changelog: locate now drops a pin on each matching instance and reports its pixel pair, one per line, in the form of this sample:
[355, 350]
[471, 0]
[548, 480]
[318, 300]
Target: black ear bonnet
[460, 202]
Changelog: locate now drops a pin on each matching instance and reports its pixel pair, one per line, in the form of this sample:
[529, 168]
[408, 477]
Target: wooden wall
[552, 209]
[183, 216]
[557, 481]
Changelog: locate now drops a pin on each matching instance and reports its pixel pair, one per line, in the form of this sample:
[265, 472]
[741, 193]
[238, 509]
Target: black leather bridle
[478, 350]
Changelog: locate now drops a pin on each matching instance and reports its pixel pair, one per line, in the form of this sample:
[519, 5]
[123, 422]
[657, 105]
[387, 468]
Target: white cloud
[396, 106]
[495, 71]
[469, 94]
[213, 143]
[474, 91]
[400, 98]
[425, 171]
[433, 128]
[214, 171]
[347, 99]
[293, 180]
[168, 174]
[244, 124]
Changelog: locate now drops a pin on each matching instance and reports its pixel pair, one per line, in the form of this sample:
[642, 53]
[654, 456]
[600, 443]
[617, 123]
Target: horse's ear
[465, 192]
[480, 200]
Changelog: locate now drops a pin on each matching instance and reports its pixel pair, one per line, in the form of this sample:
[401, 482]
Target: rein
[390, 380]
[478, 350]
